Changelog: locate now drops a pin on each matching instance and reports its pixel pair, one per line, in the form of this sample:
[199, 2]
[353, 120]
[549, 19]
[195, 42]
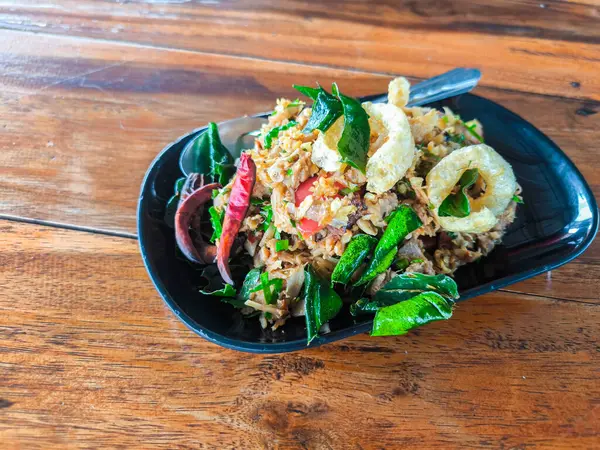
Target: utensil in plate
[236, 134]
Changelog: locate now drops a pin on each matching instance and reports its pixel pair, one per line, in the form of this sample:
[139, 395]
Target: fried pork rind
[500, 186]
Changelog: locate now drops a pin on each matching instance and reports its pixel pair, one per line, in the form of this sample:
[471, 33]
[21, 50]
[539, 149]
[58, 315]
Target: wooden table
[91, 90]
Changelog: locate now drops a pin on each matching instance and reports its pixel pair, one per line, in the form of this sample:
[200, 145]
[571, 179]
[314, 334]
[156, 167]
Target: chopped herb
[457, 205]
[274, 132]
[445, 119]
[214, 194]
[452, 234]
[289, 172]
[471, 130]
[430, 206]
[282, 245]
[256, 201]
[293, 222]
[216, 220]
[350, 190]
[268, 315]
[517, 199]
[265, 286]
[458, 138]
[277, 234]
[295, 103]
[417, 261]
[267, 213]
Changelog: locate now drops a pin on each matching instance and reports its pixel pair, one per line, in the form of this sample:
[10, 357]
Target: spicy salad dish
[343, 207]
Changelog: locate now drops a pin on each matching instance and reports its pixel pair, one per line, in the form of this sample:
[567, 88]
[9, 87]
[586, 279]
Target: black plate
[557, 222]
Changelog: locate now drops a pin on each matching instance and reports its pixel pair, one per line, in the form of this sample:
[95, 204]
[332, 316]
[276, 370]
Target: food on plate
[344, 207]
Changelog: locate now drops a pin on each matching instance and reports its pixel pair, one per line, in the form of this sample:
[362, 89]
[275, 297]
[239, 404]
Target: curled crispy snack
[500, 182]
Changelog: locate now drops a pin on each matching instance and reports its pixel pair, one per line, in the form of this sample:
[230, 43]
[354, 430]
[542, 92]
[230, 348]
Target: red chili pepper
[239, 201]
[187, 209]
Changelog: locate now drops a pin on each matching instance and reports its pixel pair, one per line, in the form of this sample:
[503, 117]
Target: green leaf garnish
[457, 205]
[308, 91]
[256, 201]
[321, 301]
[326, 110]
[401, 264]
[179, 185]
[216, 220]
[274, 132]
[251, 281]
[424, 298]
[358, 249]
[403, 221]
[355, 140]
[517, 199]
[211, 158]
[295, 103]
[282, 245]
[407, 285]
[289, 172]
[227, 291]
[398, 319]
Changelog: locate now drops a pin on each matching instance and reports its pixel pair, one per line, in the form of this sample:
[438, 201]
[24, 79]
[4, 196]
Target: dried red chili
[198, 252]
[239, 201]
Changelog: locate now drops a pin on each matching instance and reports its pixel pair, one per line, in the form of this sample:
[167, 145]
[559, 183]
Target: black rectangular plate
[557, 222]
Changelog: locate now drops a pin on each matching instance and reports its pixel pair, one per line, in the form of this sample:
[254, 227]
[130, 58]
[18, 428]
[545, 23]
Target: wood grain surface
[90, 355]
[527, 45]
[91, 91]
